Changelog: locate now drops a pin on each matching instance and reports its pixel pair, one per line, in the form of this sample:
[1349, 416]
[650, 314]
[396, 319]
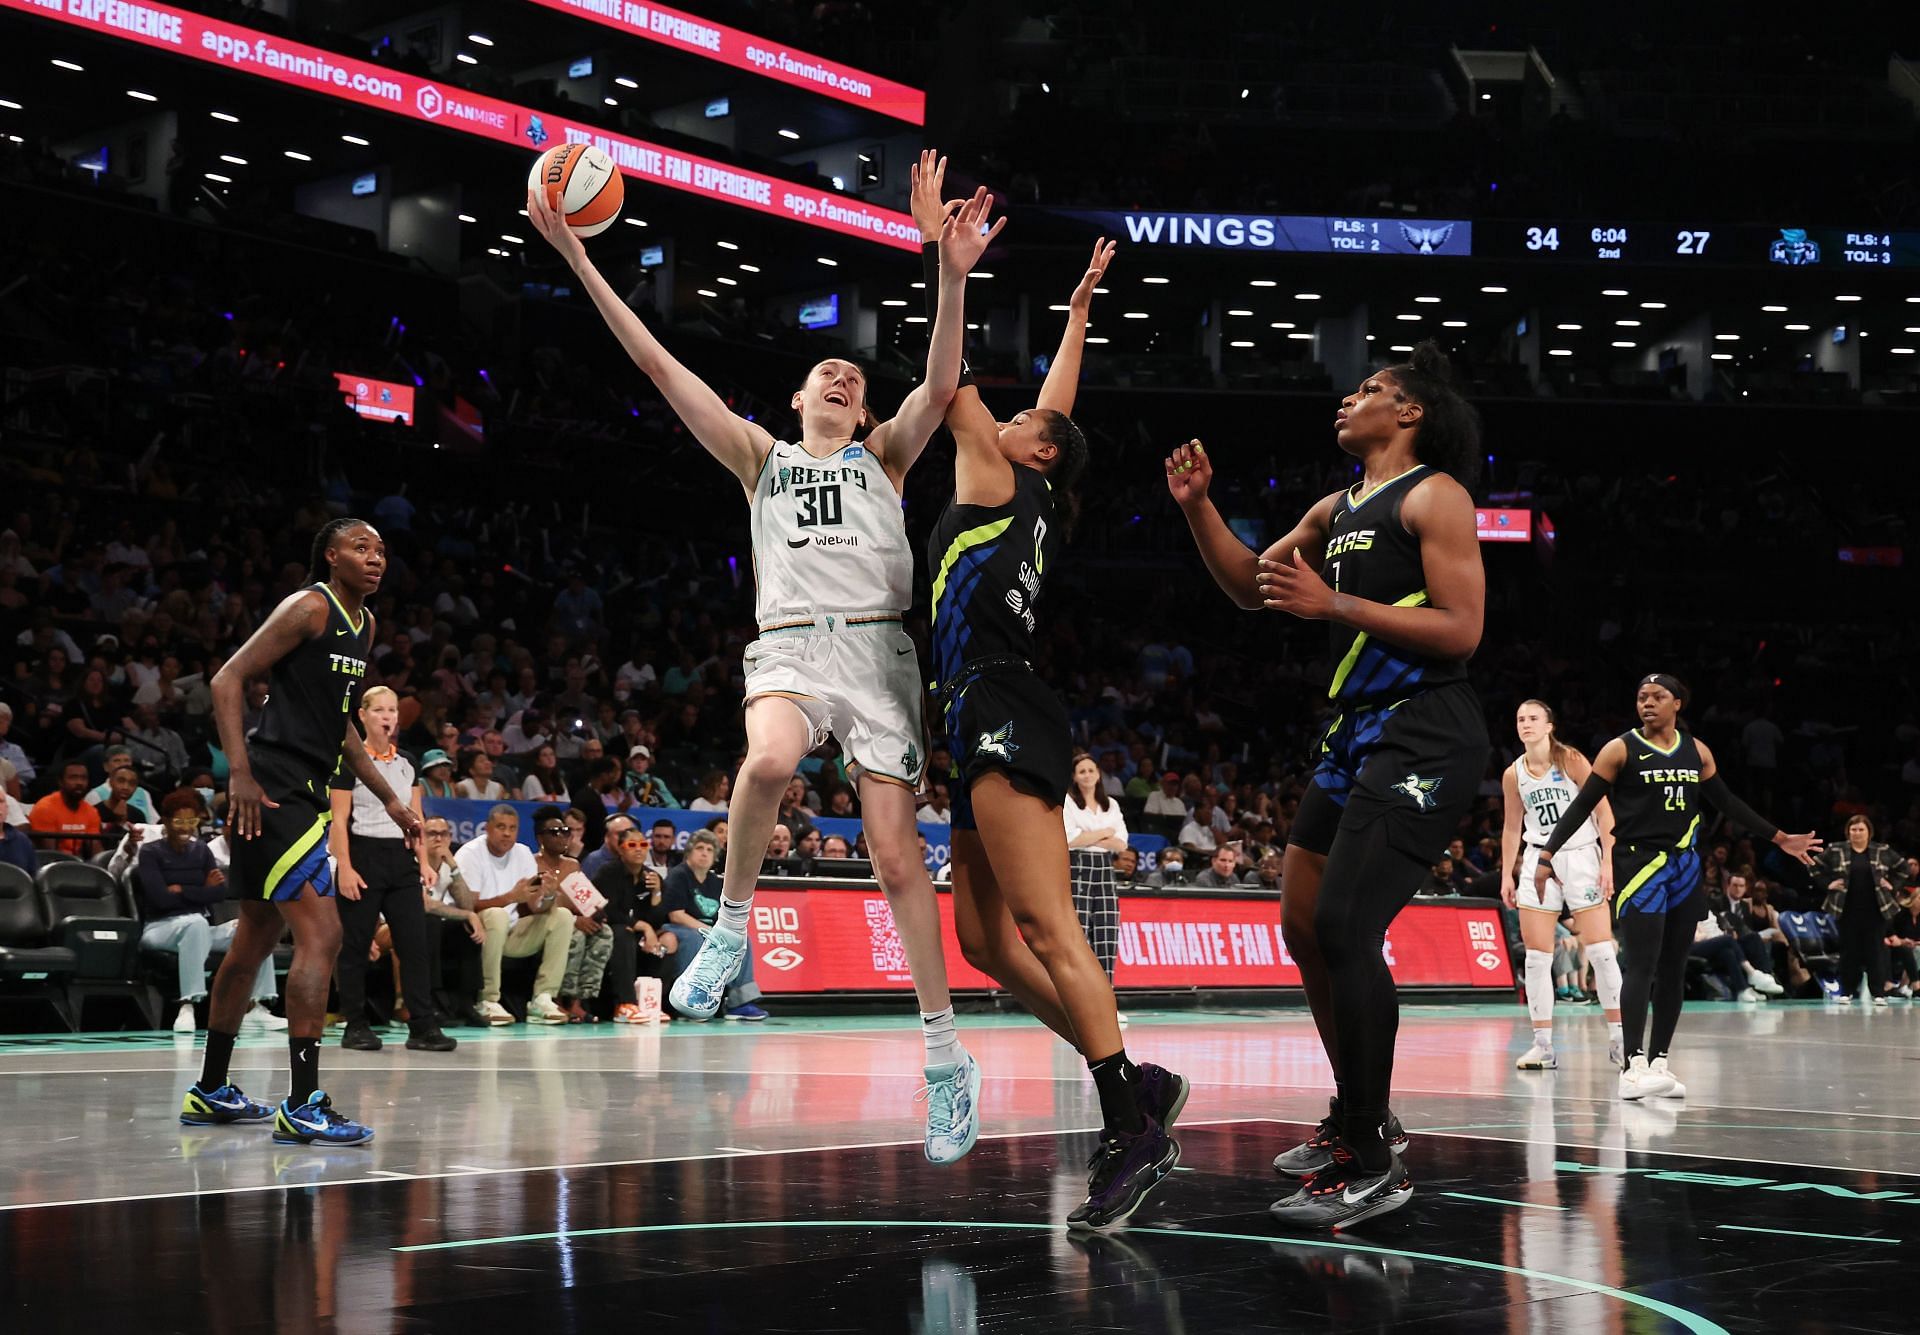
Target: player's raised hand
[965, 236]
[554, 228]
[1189, 473]
[930, 211]
[1082, 299]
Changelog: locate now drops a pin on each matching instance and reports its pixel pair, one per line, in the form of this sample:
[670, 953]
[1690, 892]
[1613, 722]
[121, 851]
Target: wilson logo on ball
[581, 184]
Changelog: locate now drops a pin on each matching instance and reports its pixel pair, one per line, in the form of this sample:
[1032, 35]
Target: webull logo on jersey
[801, 476]
[1360, 540]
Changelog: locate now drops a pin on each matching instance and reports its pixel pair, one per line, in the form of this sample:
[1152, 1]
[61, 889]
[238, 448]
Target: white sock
[1540, 984]
[1606, 974]
[734, 913]
[943, 1042]
[1544, 1037]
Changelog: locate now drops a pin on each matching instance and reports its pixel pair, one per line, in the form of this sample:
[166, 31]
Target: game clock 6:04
[1692, 245]
[1645, 243]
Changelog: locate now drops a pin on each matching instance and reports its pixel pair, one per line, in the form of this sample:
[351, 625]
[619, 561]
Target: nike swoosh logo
[342, 632]
[902, 651]
[798, 542]
[1349, 1198]
[1647, 756]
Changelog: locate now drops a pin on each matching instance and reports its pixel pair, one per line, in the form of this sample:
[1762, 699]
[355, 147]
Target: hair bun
[1430, 360]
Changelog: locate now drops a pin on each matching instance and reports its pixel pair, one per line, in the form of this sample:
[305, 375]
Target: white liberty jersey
[1544, 801]
[828, 536]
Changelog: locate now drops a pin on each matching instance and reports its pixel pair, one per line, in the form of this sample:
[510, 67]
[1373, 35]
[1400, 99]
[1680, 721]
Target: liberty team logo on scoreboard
[1794, 248]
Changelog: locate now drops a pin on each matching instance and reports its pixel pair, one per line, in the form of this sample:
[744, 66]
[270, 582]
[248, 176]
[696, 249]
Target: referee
[378, 876]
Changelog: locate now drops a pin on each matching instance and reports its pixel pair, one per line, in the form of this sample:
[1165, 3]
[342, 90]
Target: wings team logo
[1427, 240]
[1794, 248]
[430, 101]
[999, 743]
[1420, 790]
[537, 131]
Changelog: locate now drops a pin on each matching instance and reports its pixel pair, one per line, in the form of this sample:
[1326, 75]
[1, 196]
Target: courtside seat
[28, 962]
[49, 856]
[87, 914]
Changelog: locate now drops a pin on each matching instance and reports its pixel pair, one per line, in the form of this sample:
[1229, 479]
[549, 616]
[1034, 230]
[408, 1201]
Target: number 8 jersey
[828, 535]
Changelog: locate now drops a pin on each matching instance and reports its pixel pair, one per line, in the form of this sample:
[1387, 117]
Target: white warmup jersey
[1544, 801]
[828, 536]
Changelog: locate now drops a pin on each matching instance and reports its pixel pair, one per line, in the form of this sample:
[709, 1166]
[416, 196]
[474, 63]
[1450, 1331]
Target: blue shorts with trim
[1659, 881]
[290, 851]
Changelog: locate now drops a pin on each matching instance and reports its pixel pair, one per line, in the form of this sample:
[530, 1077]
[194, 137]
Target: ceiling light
[1263, 282]
[1774, 310]
[625, 82]
[1847, 297]
[216, 176]
[1628, 324]
[749, 268]
[479, 39]
[1453, 324]
[726, 245]
[11, 106]
[354, 139]
[979, 274]
[1496, 291]
[1156, 280]
[1727, 338]
[1304, 296]
[1282, 324]
[1613, 292]
[468, 217]
[972, 326]
[144, 97]
[1573, 328]
[789, 134]
[1913, 301]
[296, 155]
[1719, 356]
[1401, 347]
[1798, 328]
[610, 101]
[1242, 343]
[1096, 340]
[831, 264]
[921, 286]
[1369, 337]
[1406, 315]
[1134, 315]
[1622, 343]
[226, 116]
[69, 65]
[724, 281]
[1901, 352]
[466, 59]
[1428, 301]
[1059, 308]
[636, 222]
[707, 292]
[1235, 311]
[1559, 352]
[896, 301]
[228, 157]
[1098, 291]
[1911, 329]
[1309, 336]
[516, 240]
[1653, 305]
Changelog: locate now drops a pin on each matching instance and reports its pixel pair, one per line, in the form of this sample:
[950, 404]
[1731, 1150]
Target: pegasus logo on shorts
[1420, 790]
[999, 743]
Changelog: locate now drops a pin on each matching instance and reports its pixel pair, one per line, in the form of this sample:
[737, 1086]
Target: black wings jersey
[988, 562]
[312, 691]
[1656, 799]
[1371, 555]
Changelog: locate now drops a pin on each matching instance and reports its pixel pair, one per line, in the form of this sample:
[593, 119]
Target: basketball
[582, 186]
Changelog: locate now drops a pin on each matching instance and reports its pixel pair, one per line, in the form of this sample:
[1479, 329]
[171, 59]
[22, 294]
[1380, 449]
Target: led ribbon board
[757, 55]
[311, 69]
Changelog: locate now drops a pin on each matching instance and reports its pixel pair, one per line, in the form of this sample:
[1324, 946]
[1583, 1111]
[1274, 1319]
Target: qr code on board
[889, 956]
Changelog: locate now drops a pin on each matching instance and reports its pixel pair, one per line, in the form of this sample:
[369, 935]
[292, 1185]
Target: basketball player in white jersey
[833, 573]
[1538, 788]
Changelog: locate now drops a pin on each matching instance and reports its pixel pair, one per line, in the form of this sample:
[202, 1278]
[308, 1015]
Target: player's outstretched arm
[739, 444]
[1606, 768]
[1063, 376]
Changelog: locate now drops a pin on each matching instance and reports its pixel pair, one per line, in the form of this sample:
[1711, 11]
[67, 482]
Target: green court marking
[1495, 1200]
[1796, 1233]
[1691, 1321]
[1688, 1125]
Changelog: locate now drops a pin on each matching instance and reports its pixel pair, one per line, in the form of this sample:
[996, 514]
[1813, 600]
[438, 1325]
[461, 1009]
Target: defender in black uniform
[313, 649]
[991, 552]
[1655, 776]
[1393, 565]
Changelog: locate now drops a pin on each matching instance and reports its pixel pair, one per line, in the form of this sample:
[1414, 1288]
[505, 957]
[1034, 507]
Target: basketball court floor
[768, 1177]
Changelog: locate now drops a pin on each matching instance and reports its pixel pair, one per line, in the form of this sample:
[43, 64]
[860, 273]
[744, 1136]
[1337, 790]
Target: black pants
[616, 987]
[1653, 967]
[392, 875]
[455, 960]
[1863, 936]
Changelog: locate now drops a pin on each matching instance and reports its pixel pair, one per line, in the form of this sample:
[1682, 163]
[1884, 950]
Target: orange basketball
[582, 185]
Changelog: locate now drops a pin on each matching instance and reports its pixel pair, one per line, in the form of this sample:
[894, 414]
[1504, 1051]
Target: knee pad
[1539, 967]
